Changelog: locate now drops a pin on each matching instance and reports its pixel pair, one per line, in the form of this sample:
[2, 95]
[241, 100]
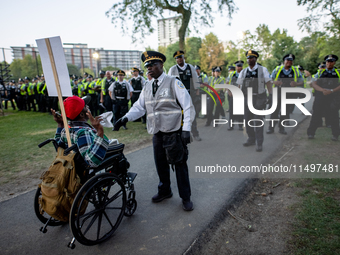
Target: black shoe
[282, 131]
[334, 138]
[248, 143]
[187, 205]
[230, 128]
[158, 198]
[270, 131]
[240, 128]
[258, 148]
[310, 136]
[197, 138]
[125, 128]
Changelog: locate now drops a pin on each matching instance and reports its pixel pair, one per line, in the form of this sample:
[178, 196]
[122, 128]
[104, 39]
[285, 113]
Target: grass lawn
[21, 132]
[317, 228]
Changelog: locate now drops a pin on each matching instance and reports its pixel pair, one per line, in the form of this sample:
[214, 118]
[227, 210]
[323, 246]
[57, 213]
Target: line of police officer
[261, 82]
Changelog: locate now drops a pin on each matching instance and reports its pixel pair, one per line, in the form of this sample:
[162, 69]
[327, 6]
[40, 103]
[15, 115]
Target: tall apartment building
[168, 31]
[80, 55]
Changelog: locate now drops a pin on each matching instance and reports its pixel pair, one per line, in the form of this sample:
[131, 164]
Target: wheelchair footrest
[131, 176]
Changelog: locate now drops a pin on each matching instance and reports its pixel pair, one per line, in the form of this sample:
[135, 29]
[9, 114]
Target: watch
[332, 90]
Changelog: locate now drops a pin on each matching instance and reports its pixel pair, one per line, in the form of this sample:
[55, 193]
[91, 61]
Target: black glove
[121, 122]
[185, 137]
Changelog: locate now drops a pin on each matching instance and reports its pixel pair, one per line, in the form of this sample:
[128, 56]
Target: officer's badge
[180, 84]
[249, 52]
[330, 56]
[290, 75]
[164, 93]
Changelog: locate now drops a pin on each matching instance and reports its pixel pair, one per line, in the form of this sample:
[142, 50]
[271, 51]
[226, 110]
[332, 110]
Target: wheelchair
[107, 193]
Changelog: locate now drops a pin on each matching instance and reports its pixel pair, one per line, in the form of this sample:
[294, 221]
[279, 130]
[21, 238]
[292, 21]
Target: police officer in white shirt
[163, 99]
[189, 78]
[120, 92]
[256, 77]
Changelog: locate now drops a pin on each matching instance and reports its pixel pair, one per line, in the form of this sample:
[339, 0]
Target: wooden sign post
[56, 73]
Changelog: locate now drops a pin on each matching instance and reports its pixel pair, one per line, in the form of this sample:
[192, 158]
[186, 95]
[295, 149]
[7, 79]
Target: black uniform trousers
[219, 111]
[163, 170]
[325, 104]
[107, 102]
[210, 109]
[30, 103]
[277, 114]
[120, 108]
[196, 100]
[255, 131]
[232, 117]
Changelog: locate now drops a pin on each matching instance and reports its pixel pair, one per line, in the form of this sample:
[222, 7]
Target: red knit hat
[73, 106]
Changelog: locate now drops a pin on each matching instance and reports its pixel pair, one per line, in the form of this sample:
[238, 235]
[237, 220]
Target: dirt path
[262, 223]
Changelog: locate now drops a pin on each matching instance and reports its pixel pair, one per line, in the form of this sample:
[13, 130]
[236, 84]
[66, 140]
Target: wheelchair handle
[45, 142]
[69, 149]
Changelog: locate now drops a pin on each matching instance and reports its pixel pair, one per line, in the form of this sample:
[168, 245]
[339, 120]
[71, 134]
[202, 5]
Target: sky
[85, 22]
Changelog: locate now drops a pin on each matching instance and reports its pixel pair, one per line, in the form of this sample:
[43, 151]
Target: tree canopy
[142, 12]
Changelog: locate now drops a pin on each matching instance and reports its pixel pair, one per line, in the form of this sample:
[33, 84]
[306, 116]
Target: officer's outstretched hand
[121, 122]
[185, 137]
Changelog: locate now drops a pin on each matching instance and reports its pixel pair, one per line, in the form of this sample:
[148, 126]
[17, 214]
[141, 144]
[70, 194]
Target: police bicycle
[107, 194]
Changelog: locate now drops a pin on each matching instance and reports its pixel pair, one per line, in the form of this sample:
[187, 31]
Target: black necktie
[154, 87]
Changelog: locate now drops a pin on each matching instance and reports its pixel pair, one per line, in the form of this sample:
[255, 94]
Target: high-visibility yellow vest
[22, 89]
[278, 70]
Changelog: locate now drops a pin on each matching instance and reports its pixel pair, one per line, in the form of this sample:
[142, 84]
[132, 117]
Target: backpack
[59, 186]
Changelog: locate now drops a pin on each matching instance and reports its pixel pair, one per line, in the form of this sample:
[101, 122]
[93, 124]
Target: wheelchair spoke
[116, 208]
[91, 223]
[114, 197]
[99, 225]
[107, 217]
[88, 215]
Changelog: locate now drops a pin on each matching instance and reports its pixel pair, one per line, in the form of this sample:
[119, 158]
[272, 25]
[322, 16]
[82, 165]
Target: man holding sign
[90, 139]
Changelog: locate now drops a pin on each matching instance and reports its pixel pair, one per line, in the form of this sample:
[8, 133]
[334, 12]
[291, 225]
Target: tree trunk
[186, 14]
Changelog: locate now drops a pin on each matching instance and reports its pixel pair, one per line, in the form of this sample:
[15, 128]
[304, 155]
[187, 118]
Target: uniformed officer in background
[169, 138]
[219, 111]
[210, 99]
[258, 78]
[286, 75]
[187, 73]
[104, 94]
[137, 82]
[232, 78]
[327, 98]
[120, 92]
[10, 94]
[98, 89]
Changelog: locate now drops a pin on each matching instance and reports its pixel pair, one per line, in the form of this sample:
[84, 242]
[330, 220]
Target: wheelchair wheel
[43, 217]
[104, 198]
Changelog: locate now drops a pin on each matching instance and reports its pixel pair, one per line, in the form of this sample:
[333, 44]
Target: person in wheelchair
[90, 139]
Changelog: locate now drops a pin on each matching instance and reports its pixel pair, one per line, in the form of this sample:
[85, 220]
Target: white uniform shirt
[128, 87]
[138, 109]
[265, 74]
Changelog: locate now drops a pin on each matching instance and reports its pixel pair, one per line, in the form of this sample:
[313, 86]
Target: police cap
[135, 69]
[178, 54]
[121, 72]
[218, 69]
[21, 80]
[239, 63]
[197, 67]
[102, 72]
[300, 67]
[252, 54]
[231, 67]
[27, 78]
[331, 58]
[151, 57]
[90, 76]
[289, 57]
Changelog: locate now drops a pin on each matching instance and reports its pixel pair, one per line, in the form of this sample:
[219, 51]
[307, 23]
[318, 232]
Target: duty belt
[120, 98]
[136, 91]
